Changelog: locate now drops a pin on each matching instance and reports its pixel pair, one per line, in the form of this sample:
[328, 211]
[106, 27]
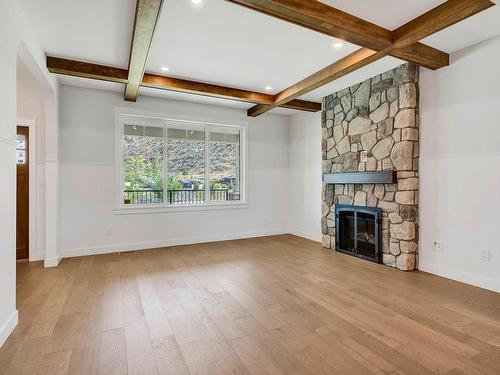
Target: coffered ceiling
[222, 43]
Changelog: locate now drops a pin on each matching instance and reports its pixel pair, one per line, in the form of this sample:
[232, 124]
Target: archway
[37, 105]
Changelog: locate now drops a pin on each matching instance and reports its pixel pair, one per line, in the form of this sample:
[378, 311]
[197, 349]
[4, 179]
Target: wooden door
[22, 161]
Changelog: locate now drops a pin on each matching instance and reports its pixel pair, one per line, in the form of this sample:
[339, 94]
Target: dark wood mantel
[379, 177]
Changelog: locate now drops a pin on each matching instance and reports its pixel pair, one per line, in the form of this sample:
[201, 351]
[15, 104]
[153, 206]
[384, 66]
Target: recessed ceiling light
[196, 1]
[268, 88]
[164, 68]
[338, 44]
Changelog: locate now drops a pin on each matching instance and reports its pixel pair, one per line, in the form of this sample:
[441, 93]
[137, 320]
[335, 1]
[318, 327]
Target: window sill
[153, 209]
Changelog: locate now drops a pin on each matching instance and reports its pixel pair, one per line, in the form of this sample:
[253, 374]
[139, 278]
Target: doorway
[22, 197]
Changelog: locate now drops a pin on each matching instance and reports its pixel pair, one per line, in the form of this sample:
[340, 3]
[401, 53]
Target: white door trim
[33, 250]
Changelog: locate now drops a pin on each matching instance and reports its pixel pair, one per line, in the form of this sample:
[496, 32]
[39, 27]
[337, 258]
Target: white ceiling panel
[98, 31]
[146, 91]
[91, 83]
[478, 28]
[386, 13]
[220, 42]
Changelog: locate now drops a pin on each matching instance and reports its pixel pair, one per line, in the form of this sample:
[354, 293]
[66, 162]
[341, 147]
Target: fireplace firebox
[358, 231]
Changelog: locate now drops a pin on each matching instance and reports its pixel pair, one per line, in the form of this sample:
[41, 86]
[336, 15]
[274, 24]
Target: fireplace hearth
[358, 231]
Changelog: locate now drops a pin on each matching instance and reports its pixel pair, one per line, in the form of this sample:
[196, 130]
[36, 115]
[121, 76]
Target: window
[224, 164]
[143, 151]
[177, 163]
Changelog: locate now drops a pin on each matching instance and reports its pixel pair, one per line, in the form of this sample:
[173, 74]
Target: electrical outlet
[363, 156]
[437, 245]
[485, 255]
[108, 232]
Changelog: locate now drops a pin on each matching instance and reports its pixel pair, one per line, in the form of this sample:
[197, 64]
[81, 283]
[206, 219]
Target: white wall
[31, 106]
[460, 166]
[304, 179]
[17, 38]
[87, 179]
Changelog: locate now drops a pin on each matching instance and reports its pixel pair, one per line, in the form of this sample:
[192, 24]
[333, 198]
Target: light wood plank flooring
[275, 305]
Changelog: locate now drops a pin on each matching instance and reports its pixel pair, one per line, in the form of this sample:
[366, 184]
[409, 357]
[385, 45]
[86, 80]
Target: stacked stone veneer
[373, 126]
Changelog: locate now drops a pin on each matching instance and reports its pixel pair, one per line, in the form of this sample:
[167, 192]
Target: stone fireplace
[368, 127]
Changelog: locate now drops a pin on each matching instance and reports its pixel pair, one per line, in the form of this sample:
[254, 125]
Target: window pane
[224, 164]
[143, 147]
[185, 163]
[20, 148]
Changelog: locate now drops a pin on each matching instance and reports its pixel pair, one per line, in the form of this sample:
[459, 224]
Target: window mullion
[165, 171]
[207, 164]
[121, 160]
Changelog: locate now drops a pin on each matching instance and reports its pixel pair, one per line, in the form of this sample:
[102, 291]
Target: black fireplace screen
[358, 231]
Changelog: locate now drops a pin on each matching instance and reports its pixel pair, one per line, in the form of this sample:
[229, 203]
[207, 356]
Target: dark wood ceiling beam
[82, 69]
[146, 17]
[119, 75]
[302, 105]
[194, 87]
[437, 19]
[320, 17]
[423, 55]
[224, 92]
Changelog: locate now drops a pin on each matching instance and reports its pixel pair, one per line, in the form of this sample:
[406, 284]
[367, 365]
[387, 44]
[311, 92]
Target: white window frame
[122, 208]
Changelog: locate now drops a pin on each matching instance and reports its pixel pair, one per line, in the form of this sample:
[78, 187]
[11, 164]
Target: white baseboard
[51, 262]
[457, 275]
[36, 257]
[309, 236]
[7, 328]
[435, 269]
[167, 243]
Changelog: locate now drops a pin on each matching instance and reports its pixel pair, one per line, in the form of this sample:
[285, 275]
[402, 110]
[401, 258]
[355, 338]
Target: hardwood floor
[275, 305]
